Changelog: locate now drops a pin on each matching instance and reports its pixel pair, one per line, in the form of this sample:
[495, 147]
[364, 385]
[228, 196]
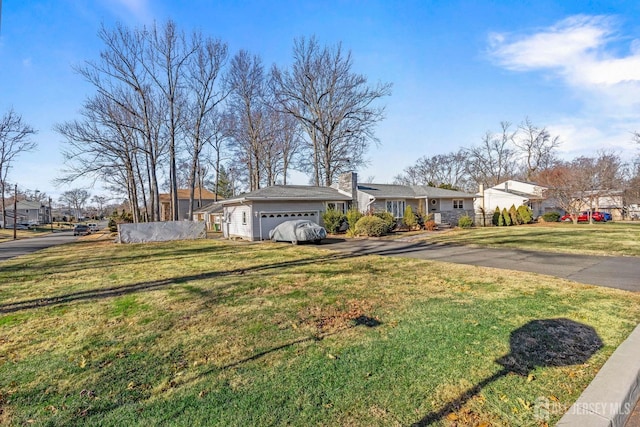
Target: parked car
[584, 217]
[300, 230]
[18, 226]
[607, 216]
[93, 227]
[81, 230]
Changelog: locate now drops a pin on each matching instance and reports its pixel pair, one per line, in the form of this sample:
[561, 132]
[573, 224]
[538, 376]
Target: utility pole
[15, 212]
[50, 215]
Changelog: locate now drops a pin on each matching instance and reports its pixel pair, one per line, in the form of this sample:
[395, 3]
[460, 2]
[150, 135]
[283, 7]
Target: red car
[584, 217]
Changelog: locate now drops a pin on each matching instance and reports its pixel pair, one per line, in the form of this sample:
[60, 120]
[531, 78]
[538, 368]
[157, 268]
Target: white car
[93, 227]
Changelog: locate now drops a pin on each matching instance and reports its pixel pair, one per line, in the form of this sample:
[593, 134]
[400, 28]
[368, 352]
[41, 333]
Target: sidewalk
[608, 400]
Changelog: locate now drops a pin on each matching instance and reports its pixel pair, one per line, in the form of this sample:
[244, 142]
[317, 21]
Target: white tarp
[161, 231]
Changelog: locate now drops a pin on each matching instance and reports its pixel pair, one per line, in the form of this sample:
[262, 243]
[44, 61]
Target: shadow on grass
[369, 322]
[115, 291]
[539, 343]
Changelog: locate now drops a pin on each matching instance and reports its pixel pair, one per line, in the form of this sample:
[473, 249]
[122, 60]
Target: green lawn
[216, 333]
[612, 238]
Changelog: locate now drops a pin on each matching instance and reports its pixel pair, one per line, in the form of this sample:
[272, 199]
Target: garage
[269, 220]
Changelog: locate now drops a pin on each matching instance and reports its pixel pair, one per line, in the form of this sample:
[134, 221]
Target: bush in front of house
[372, 226]
[513, 215]
[353, 215]
[551, 217]
[506, 217]
[332, 220]
[525, 214]
[496, 217]
[389, 220]
[430, 225]
[465, 221]
[409, 219]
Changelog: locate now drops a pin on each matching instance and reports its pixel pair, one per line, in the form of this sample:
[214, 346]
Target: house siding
[232, 223]
[233, 227]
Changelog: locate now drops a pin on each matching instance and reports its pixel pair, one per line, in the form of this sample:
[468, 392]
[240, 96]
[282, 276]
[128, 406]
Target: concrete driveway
[610, 271]
[13, 248]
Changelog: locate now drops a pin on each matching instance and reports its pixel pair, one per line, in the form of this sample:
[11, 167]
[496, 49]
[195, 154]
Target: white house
[511, 193]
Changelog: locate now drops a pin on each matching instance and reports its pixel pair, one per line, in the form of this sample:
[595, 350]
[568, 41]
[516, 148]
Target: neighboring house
[445, 206]
[611, 201]
[29, 212]
[511, 193]
[201, 197]
[251, 216]
[211, 214]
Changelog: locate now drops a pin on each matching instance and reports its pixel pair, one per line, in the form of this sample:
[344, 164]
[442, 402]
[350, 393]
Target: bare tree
[581, 183]
[494, 160]
[202, 78]
[563, 185]
[15, 139]
[123, 82]
[334, 106]
[442, 170]
[76, 199]
[221, 130]
[103, 146]
[537, 148]
[246, 80]
[100, 201]
[167, 56]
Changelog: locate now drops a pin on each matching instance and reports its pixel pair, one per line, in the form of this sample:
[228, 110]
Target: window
[396, 208]
[338, 206]
[457, 204]
[244, 218]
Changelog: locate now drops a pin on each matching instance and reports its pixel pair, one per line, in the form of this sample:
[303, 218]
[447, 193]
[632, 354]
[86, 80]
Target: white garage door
[269, 220]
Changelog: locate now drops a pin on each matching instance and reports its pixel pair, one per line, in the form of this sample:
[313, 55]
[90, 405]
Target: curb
[610, 398]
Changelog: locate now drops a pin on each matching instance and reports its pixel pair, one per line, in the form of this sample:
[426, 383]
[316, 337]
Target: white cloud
[127, 9]
[584, 53]
[574, 49]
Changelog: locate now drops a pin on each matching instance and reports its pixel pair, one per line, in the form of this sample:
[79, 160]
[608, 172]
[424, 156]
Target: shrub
[551, 217]
[332, 220]
[525, 214]
[465, 221]
[506, 217]
[389, 220]
[496, 217]
[409, 219]
[353, 215]
[513, 214]
[371, 226]
[430, 225]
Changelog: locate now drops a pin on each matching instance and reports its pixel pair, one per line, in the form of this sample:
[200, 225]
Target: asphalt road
[610, 271]
[13, 248]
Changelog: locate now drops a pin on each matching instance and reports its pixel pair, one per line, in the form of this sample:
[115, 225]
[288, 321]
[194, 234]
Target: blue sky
[458, 67]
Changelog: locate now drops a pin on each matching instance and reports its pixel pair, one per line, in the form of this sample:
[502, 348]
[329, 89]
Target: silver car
[300, 230]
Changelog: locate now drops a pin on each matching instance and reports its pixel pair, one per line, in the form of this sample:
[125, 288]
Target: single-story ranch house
[252, 215]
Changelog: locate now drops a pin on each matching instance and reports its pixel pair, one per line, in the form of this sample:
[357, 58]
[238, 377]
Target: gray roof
[291, 192]
[215, 207]
[388, 191]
